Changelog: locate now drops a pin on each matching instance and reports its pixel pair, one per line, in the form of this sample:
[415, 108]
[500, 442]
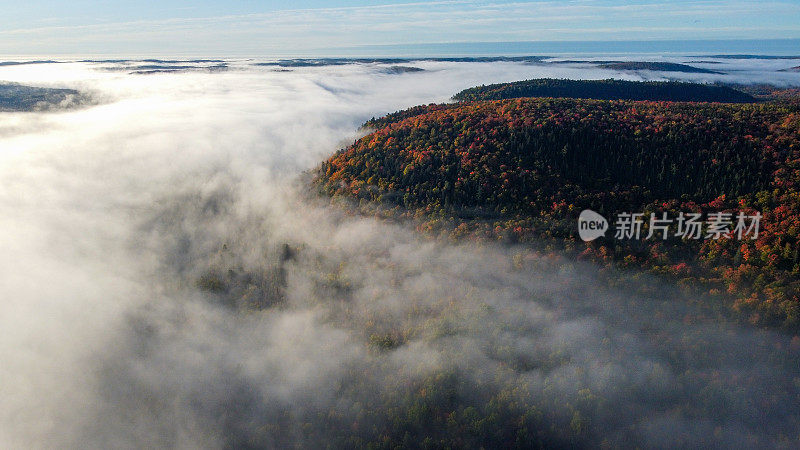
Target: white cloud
[110, 214]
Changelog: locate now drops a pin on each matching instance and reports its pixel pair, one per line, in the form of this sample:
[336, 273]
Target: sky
[263, 28]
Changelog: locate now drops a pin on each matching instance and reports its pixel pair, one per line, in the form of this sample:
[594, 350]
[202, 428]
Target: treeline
[607, 90]
[524, 154]
[523, 169]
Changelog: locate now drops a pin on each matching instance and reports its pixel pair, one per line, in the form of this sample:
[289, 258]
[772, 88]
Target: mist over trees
[525, 168]
[171, 280]
[17, 97]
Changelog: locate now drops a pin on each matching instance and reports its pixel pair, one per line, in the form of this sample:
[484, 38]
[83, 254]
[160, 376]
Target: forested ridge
[659, 66]
[17, 97]
[607, 90]
[521, 170]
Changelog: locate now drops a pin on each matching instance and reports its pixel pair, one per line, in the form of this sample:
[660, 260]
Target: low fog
[167, 280]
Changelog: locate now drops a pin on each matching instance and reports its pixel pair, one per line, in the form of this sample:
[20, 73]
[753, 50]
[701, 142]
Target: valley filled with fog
[119, 215]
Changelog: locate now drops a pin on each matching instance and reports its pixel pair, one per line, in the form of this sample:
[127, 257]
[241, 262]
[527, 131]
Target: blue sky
[263, 28]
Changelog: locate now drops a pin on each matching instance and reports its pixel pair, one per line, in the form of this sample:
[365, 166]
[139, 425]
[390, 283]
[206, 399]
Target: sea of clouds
[112, 216]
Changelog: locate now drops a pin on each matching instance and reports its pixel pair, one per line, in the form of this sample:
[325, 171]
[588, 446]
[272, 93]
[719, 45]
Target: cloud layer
[168, 282]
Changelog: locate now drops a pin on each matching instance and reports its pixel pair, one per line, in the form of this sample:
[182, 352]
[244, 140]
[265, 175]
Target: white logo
[591, 225]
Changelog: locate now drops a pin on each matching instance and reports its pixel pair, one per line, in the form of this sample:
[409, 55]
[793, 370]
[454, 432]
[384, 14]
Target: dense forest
[521, 170]
[607, 90]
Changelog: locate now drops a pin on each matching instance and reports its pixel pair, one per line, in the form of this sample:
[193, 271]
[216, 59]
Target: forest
[610, 89]
[520, 170]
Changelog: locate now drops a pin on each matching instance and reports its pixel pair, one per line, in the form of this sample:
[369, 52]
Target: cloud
[315, 326]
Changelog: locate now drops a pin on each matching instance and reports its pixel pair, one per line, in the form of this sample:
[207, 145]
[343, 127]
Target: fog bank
[167, 282]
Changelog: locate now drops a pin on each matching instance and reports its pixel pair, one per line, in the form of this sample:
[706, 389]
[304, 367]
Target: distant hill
[154, 66]
[658, 66]
[156, 61]
[764, 91]
[584, 61]
[17, 97]
[25, 63]
[320, 62]
[160, 69]
[751, 57]
[607, 90]
[522, 169]
[394, 70]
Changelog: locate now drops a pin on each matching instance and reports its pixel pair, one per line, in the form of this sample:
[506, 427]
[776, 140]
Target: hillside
[607, 90]
[768, 91]
[521, 170]
[16, 97]
[659, 66]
